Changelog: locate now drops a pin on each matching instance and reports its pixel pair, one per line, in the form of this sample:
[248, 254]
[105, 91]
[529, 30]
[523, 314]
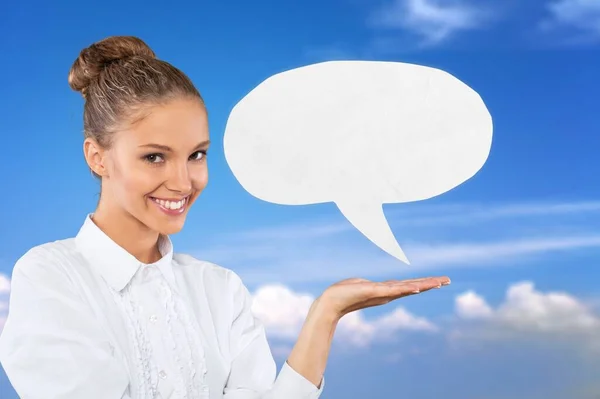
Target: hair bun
[95, 58]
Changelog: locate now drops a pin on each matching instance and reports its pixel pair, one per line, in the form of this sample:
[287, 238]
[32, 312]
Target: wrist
[310, 354]
[322, 311]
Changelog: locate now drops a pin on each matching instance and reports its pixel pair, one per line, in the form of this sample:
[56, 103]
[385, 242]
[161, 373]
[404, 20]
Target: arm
[310, 354]
[253, 370]
[51, 345]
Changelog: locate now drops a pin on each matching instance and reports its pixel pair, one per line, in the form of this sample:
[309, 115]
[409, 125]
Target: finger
[404, 288]
[395, 289]
[381, 300]
[407, 290]
[386, 293]
[428, 285]
[404, 291]
[382, 291]
[444, 280]
[354, 280]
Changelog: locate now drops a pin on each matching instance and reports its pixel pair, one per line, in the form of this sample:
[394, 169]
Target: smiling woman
[114, 313]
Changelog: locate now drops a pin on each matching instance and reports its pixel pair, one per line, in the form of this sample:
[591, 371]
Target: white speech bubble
[359, 134]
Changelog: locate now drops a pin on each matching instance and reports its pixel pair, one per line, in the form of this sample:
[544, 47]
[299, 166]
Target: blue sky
[520, 240]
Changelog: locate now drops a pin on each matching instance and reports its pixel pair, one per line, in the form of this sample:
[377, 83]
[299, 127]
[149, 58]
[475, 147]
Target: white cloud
[4, 291]
[4, 284]
[581, 15]
[283, 312]
[471, 306]
[355, 329]
[527, 312]
[280, 309]
[433, 20]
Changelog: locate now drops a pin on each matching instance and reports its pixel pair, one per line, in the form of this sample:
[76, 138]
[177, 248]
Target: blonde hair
[119, 77]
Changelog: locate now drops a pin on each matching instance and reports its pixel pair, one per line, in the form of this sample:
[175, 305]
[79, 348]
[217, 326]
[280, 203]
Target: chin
[166, 224]
[161, 225]
[170, 228]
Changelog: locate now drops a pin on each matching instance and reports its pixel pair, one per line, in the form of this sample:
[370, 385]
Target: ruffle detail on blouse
[197, 386]
[146, 371]
[194, 386]
[180, 388]
[183, 340]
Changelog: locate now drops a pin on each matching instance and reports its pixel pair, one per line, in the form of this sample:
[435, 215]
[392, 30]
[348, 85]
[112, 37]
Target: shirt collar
[113, 262]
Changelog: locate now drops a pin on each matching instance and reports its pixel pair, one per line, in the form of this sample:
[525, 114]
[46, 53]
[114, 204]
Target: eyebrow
[169, 149]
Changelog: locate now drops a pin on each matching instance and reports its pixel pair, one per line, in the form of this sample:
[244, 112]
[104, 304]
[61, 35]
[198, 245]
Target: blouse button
[153, 318]
[162, 374]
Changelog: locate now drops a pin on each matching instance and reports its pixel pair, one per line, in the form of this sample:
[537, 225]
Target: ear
[95, 156]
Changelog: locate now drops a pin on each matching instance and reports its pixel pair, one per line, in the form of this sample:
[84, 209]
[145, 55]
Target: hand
[353, 294]
[310, 354]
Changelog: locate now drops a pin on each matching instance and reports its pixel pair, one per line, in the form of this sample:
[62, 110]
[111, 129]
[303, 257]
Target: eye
[153, 158]
[198, 155]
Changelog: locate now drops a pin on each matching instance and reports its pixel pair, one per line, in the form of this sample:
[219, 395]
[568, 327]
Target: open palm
[356, 293]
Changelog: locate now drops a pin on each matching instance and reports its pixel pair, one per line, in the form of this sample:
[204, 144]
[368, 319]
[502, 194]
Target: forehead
[177, 123]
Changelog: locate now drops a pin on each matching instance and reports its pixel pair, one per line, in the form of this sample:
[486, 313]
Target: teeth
[173, 205]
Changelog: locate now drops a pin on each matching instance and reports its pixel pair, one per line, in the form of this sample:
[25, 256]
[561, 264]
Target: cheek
[139, 184]
[200, 179]
[134, 180]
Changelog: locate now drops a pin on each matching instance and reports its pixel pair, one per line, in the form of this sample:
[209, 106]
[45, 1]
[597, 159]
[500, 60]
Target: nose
[179, 179]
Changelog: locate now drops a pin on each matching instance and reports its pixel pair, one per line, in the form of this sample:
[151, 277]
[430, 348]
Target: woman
[114, 312]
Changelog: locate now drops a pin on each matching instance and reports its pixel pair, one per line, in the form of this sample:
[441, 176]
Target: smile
[171, 206]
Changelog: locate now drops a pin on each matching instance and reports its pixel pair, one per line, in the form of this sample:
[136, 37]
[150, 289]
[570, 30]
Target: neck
[128, 232]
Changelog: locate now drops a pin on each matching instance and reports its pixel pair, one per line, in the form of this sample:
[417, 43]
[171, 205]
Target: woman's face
[156, 168]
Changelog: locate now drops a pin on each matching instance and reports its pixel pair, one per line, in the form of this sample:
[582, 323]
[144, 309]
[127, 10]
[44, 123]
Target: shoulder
[46, 262]
[212, 274]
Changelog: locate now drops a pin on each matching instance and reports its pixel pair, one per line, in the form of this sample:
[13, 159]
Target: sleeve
[51, 345]
[253, 370]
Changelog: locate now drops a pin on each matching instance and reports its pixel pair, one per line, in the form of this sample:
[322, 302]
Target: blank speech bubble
[360, 134]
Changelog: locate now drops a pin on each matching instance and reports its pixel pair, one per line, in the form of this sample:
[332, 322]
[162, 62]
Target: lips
[171, 206]
[171, 203]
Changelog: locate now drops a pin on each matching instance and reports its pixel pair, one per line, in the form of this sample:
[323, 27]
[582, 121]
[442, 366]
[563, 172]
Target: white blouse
[88, 320]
